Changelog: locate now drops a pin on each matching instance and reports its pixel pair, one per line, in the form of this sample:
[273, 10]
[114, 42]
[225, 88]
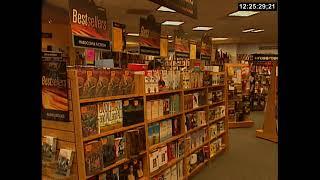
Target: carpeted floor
[248, 158]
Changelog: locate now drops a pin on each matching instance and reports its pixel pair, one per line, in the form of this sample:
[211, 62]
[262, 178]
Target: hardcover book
[89, 118]
[128, 82]
[155, 80]
[154, 160]
[65, 160]
[133, 111]
[132, 140]
[82, 78]
[166, 106]
[175, 127]
[167, 174]
[161, 107]
[163, 131]
[49, 148]
[108, 150]
[142, 138]
[119, 146]
[181, 147]
[174, 172]
[103, 83]
[164, 81]
[163, 156]
[148, 82]
[89, 89]
[93, 157]
[149, 108]
[155, 109]
[169, 128]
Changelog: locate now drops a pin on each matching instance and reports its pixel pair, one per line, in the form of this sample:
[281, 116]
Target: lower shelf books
[215, 147]
[89, 118]
[93, 157]
[194, 160]
[161, 107]
[194, 100]
[49, 147]
[195, 119]
[216, 112]
[196, 139]
[165, 129]
[133, 111]
[65, 160]
[108, 150]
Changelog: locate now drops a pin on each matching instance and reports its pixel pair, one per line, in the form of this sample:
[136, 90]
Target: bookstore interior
[152, 89]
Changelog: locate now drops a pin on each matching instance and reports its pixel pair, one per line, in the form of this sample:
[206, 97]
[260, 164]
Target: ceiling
[210, 13]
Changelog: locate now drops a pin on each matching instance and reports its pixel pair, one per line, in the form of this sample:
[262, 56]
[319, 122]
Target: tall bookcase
[69, 134]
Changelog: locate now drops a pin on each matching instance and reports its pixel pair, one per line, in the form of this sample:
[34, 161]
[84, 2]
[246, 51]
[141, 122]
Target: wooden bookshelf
[164, 143]
[164, 92]
[122, 129]
[241, 124]
[166, 166]
[194, 109]
[164, 117]
[196, 129]
[194, 89]
[216, 120]
[216, 103]
[109, 98]
[118, 163]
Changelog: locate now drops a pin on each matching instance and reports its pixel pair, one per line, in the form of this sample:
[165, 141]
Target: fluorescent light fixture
[202, 28]
[132, 43]
[169, 36]
[172, 23]
[165, 9]
[243, 13]
[219, 39]
[170, 41]
[258, 30]
[248, 30]
[132, 34]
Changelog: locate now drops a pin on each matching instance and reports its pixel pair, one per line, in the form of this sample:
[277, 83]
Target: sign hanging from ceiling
[205, 51]
[149, 36]
[88, 25]
[186, 7]
[181, 44]
[118, 37]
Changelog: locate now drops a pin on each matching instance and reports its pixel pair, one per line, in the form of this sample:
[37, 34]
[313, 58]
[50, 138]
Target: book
[154, 160]
[142, 138]
[119, 146]
[149, 108]
[180, 170]
[164, 85]
[166, 106]
[108, 150]
[155, 80]
[175, 127]
[170, 79]
[93, 157]
[163, 156]
[89, 118]
[139, 169]
[65, 160]
[82, 78]
[128, 82]
[148, 82]
[167, 174]
[170, 151]
[174, 172]
[90, 84]
[163, 130]
[115, 174]
[181, 147]
[133, 111]
[169, 128]
[206, 151]
[49, 148]
[160, 108]
[154, 133]
[103, 83]
[155, 109]
[132, 141]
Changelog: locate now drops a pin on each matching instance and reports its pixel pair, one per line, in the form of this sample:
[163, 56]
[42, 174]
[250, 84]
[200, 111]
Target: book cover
[187, 144]
[161, 107]
[121, 83]
[142, 139]
[115, 175]
[167, 174]
[180, 170]
[148, 82]
[177, 77]
[202, 98]
[82, 78]
[149, 112]
[93, 157]
[108, 150]
[103, 82]
[181, 147]
[150, 134]
[156, 133]
[166, 106]
[170, 79]
[133, 111]
[65, 160]
[212, 149]
[164, 80]
[119, 146]
[175, 127]
[170, 152]
[49, 148]
[155, 80]
[206, 151]
[163, 131]
[89, 89]
[155, 109]
[169, 128]
[154, 160]
[89, 118]
[113, 86]
[132, 139]
[128, 82]
[163, 156]
[174, 172]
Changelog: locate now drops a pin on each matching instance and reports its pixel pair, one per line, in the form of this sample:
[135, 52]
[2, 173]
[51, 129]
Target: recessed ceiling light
[165, 9]
[219, 39]
[170, 41]
[202, 28]
[132, 34]
[243, 13]
[248, 30]
[258, 30]
[172, 23]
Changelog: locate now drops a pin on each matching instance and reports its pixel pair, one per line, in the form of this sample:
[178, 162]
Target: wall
[231, 49]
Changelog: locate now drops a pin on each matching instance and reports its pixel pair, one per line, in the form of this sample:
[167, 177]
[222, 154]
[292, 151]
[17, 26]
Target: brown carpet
[248, 158]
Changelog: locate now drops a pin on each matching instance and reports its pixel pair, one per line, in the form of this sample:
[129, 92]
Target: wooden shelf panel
[58, 125]
[195, 149]
[164, 117]
[164, 92]
[216, 120]
[201, 165]
[242, 124]
[93, 137]
[193, 89]
[109, 98]
[155, 146]
[196, 129]
[222, 133]
[218, 85]
[194, 109]
[216, 103]
[166, 166]
[118, 163]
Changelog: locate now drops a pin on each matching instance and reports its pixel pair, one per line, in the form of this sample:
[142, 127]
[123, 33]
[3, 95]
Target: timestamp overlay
[272, 6]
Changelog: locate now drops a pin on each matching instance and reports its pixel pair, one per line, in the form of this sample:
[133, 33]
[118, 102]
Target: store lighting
[219, 39]
[202, 28]
[172, 23]
[132, 34]
[169, 36]
[165, 9]
[170, 41]
[243, 13]
[248, 30]
[258, 30]
[132, 43]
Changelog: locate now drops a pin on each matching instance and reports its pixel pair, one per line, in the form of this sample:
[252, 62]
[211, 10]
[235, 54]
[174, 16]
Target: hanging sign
[193, 50]
[54, 87]
[181, 44]
[205, 51]
[118, 37]
[149, 39]
[88, 25]
[164, 47]
[186, 7]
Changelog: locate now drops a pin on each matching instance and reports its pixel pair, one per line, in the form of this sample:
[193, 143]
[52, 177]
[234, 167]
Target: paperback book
[65, 160]
[49, 148]
[89, 118]
[108, 150]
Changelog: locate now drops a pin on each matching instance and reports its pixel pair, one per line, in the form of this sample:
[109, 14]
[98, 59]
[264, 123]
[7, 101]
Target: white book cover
[163, 131]
[160, 107]
[149, 110]
[167, 174]
[156, 78]
[65, 160]
[174, 172]
[169, 128]
[155, 109]
[148, 82]
[101, 116]
[195, 100]
[163, 156]
[154, 160]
